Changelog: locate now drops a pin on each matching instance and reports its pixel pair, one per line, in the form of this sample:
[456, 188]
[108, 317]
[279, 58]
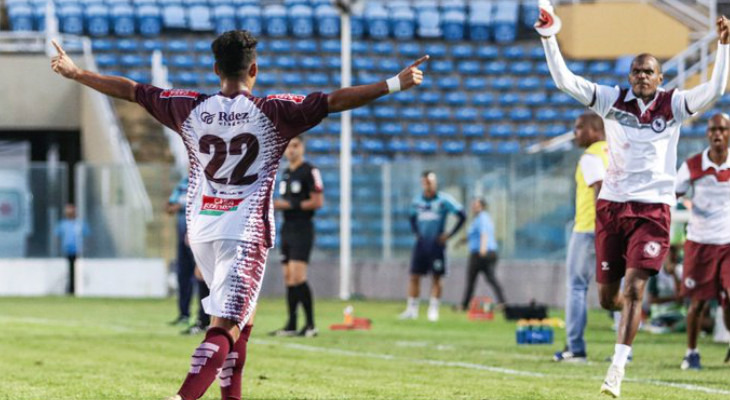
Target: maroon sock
[232, 373]
[207, 360]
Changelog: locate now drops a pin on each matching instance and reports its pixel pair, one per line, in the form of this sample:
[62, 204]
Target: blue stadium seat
[318, 145]
[183, 61]
[200, 18]
[528, 131]
[376, 20]
[128, 45]
[453, 25]
[493, 114]
[555, 130]
[561, 99]
[405, 97]
[425, 146]
[535, 99]
[530, 83]
[210, 78]
[141, 76]
[435, 50]
[300, 18]
[600, 68]
[412, 113]
[469, 67]
[317, 130]
[514, 52]
[333, 63]
[419, 129]
[487, 52]
[623, 65]
[399, 146]
[265, 62]
[333, 128]
[480, 21]
[173, 46]
[429, 23]
[442, 66]
[39, 17]
[224, 17]
[383, 48]
[293, 79]
[249, 18]
[536, 53]
[280, 46]
[134, 61]
[327, 21]
[500, 130]
[365, 128]
[439, 114]
[404, 23]
[577, 67]
[122, 18]
[21, 17]
[392, 129]
[482, 99]
[363, 63]
[467, 114]
[173, 17]
[446, 130]
[453, 147]
[520, 114]
[106, 60]
[429, 98]
[185, 79]
[164, 3]
[505, 21]
[373, 145]
[285, 62]
[449, 83]
[547, 114]
[390, 65]
[453, 5]
[362, 112]
[496, 68]
[542, 69]
[502, 83]
[102, 45]
[481, 147]
[275, 20]
[410, 49]
[385, 112]
[357, 25]
[97, 19]
[455, 98]
[521, 68]
[476, 84]
[473, 130]
[71, 19]
[508, 147]
[462, 51]
[360, 47]
[318, 80]
[311, 62]
[571, 114]
[529, 14]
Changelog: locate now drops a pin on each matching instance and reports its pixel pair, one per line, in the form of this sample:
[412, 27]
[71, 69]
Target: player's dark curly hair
[234, 52]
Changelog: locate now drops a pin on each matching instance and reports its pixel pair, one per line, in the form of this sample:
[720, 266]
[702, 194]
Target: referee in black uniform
[301, 194]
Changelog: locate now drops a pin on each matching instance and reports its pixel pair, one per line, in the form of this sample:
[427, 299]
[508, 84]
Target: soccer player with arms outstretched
[706, 272]
[632, 211]
[234, 141]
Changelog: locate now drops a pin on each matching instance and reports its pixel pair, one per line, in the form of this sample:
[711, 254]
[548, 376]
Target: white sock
[434, 303]
[691, 351]
[413, 304]
[621, 355]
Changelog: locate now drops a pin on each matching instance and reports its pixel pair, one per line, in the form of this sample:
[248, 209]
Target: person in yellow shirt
[581, 258]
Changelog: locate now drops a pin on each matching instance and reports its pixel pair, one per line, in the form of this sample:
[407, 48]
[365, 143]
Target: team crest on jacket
[689, 283]
[659, 124]
[651, 249]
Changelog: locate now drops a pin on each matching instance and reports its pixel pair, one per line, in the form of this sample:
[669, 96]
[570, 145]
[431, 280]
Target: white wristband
[393, 84]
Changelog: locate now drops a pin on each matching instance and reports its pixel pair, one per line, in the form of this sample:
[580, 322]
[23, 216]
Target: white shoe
[433, 314]
[409, 314]
[612, 384]
[175, 397]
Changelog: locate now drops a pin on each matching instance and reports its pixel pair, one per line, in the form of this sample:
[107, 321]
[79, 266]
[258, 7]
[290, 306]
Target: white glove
[548, 24]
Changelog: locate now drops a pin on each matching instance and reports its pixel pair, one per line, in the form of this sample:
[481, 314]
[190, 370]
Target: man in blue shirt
[70, 230]
[482, 252]
[428, 221]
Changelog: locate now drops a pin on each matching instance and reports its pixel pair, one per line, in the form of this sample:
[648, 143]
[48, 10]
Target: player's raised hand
[723, 29]
[411, 75]
[62, 63]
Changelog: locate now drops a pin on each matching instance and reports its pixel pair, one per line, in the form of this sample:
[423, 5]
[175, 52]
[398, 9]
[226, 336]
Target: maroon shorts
[630, 235]
[706, 273]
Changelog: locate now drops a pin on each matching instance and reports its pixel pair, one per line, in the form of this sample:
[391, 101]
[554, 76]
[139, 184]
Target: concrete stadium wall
[609, 30]
[34, 97]
[522, 281]
[33, 276]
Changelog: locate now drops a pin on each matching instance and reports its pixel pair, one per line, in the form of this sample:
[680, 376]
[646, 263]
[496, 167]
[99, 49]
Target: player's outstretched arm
[114, 86]
[358, 96]
[702, 96]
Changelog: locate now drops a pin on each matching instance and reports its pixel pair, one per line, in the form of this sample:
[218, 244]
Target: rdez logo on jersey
[225, 118]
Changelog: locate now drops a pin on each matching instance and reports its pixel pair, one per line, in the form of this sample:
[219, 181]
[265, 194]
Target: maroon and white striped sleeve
[169, 106]
[317, 185]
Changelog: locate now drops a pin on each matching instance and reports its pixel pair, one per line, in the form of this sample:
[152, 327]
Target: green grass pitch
[95, 349]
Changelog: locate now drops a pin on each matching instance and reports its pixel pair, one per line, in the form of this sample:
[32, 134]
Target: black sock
[292, 301]
[305, 294]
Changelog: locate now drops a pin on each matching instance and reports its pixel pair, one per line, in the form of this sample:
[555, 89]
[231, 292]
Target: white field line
[480, 367]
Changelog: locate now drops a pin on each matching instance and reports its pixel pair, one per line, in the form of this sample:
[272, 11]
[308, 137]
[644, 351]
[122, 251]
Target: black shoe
[308, 331]
[181, 321]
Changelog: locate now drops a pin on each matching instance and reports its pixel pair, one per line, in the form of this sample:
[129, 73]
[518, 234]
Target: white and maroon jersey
[709, 221]
[234, 145]
[642, 142]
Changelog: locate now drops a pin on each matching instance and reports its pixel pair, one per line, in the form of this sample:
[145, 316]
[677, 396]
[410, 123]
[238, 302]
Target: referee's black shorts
[297, 238]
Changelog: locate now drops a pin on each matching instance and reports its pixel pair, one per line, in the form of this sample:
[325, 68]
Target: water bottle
[349, 313]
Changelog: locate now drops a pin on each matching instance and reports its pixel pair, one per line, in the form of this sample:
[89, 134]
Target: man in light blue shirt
[429, 212]
[482, 252]
[70, 230]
